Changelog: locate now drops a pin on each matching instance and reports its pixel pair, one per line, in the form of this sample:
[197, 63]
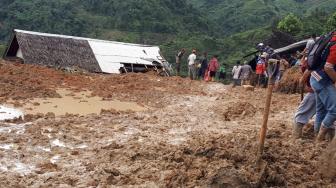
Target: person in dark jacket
[204, 66]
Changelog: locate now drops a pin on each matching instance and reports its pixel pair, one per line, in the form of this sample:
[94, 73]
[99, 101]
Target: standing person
[283, 66]
[213, 67]
[236, 74]
[322, 81]
[192, 65]
[310, 44]
[246, 72]
[179, 56]
[260, 69]
[204, 66]
[222, 72]
[307, 107]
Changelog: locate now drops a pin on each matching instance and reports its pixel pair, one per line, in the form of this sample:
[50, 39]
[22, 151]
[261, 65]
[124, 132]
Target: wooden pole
[263, 130]
[273, 70]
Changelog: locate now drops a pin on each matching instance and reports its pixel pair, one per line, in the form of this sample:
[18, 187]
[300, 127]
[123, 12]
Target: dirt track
[194, 134]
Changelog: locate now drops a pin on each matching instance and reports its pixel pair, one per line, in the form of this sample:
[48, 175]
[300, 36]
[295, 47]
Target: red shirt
[332, 54]
[213, 66]
[260, 69]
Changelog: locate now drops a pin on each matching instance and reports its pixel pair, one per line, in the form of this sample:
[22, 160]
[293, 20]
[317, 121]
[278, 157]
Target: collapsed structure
[93, 55]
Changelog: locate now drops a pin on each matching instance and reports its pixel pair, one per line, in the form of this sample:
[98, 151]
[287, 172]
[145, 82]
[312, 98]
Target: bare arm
[329, 69]
[305, 77]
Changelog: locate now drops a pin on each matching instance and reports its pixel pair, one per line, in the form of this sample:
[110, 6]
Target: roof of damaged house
[68, 51]
[292, 48]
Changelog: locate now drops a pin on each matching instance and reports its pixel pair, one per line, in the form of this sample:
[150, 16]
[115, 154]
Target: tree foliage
[331, 24]
[225, 27]
[2, 50]
[291, 24]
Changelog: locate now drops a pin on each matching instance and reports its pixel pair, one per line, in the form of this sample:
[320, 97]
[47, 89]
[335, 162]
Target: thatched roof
[90, 54]
[57, 52]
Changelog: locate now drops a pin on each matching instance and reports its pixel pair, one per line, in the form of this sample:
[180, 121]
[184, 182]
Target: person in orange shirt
[260, 69]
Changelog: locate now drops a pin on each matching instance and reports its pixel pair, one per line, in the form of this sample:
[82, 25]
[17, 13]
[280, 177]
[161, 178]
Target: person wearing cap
[192, 65]
[236, 71]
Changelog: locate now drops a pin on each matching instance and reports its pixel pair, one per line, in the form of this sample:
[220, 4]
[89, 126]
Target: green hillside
[238, 16]
[225, 27]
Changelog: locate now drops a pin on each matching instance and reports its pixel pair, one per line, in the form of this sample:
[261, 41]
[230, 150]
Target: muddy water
[81, 103]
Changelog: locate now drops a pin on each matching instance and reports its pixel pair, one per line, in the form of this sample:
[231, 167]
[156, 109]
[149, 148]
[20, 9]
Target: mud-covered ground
[192, 134]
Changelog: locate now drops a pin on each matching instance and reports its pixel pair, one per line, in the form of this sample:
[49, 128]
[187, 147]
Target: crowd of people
[201, 68]
[242, 74]
[319, 81]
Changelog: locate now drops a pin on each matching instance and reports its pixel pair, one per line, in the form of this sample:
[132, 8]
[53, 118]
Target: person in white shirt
[192, 65]
[310, 44]
[236, 74]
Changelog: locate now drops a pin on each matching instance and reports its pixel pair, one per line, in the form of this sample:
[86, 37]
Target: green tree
[2, 50]
[331, 24]
[291, 24]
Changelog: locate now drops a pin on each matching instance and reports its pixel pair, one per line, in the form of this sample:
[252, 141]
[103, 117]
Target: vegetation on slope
[224, 27]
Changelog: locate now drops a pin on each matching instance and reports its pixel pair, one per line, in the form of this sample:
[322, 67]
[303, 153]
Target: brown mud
[193, 134]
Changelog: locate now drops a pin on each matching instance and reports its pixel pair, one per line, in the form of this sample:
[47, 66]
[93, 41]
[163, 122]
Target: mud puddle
[81, 103]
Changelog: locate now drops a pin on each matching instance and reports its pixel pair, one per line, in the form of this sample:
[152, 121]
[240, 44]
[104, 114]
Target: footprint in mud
[229, 178]
[232, 110]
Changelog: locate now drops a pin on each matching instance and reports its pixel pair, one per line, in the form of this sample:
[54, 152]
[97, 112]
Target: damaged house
[92, 55]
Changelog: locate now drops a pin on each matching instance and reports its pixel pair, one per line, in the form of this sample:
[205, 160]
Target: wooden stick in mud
[271, 81]
[265, 120]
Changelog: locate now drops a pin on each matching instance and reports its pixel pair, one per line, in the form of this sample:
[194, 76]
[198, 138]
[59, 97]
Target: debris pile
[21, 81]
[194, 134]
[290, 82]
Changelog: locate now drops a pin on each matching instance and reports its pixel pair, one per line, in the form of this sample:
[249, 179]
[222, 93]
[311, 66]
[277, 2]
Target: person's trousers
[246, 82]
[201, 72]
[325, 104]
[236, 82]
[178, 68]
[192, 71]
[261, 80]
[306, 109]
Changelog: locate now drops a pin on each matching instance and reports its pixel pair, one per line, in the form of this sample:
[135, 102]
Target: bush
[291, 24]
[2, 50]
